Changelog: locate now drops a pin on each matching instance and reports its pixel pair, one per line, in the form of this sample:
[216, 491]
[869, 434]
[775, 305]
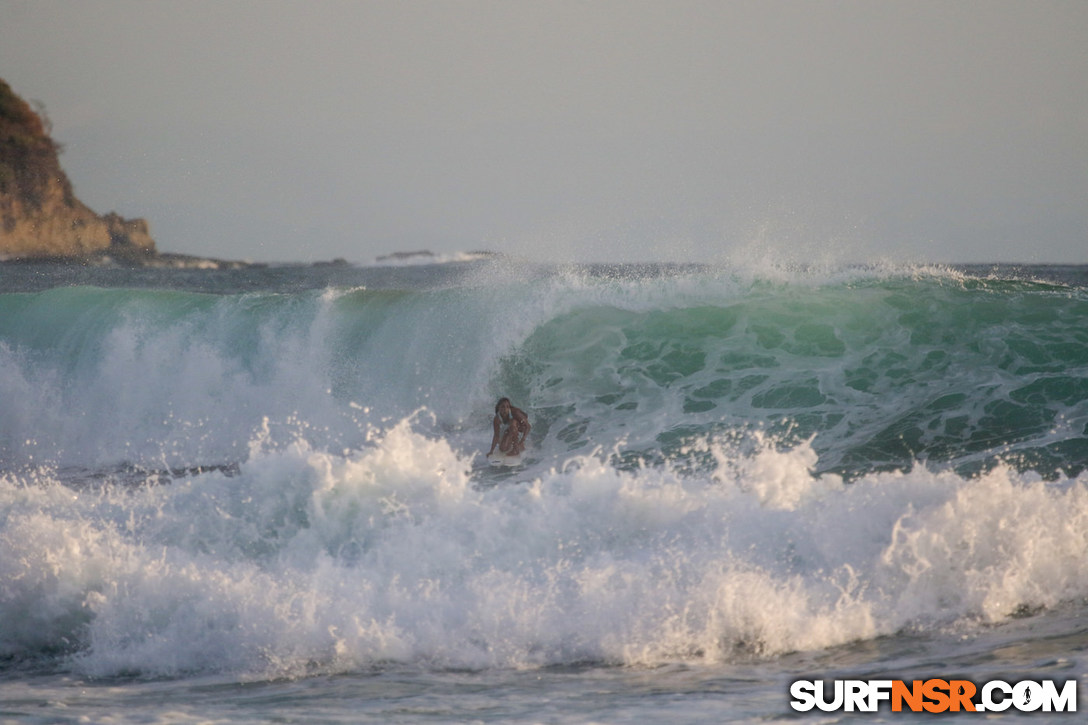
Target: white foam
[311, 559]
[408, 259]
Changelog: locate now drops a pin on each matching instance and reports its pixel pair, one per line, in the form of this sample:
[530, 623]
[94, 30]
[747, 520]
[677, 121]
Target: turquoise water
[260, 494]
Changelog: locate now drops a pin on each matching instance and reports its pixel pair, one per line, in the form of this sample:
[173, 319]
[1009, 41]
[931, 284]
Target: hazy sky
[670, 130]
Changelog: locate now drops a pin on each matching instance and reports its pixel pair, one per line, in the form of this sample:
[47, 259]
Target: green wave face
[882, 374]
[880, 371]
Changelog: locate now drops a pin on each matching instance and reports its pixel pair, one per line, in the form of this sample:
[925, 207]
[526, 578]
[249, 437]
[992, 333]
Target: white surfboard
[498, 458]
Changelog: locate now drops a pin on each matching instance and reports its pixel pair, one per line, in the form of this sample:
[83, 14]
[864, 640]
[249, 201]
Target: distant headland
[41, 220]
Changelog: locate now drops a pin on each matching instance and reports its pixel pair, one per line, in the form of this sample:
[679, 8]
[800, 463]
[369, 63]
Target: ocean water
[260, 495]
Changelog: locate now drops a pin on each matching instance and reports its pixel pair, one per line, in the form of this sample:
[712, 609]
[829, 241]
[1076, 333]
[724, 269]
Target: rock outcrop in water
[40, 216]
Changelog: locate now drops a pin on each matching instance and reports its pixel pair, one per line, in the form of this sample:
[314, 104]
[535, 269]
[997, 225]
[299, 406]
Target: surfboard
[498, 458]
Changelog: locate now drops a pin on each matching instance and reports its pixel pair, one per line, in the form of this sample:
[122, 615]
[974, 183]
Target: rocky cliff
[40, 217]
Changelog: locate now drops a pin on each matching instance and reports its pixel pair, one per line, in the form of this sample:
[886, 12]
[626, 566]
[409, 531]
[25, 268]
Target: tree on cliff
[39, 213]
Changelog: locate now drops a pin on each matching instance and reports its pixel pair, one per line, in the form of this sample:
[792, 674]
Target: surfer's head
[502, 407]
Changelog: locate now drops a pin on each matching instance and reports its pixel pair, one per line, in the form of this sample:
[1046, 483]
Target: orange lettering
[961, 693]
[912, 696]
[934, 690]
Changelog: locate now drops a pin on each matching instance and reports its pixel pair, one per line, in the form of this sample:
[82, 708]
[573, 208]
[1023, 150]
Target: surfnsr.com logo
[934, 695]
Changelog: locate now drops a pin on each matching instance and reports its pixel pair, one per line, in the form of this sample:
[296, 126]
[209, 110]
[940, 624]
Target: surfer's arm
[523, 424]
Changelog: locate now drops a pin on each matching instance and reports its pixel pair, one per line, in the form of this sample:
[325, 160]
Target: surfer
[517, 424]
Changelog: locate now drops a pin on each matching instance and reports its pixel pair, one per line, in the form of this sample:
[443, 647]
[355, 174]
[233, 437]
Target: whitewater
[261, 494]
